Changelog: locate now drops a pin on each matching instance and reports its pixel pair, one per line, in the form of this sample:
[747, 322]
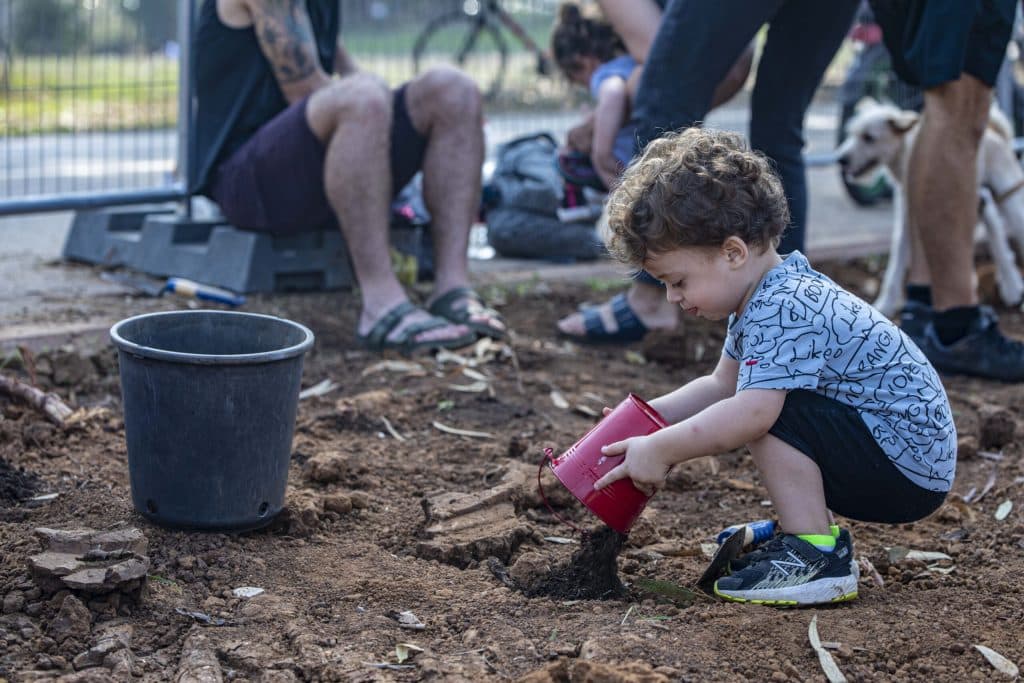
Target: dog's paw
[1011, 288]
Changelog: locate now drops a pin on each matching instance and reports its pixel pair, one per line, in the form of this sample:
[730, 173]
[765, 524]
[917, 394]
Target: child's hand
[642, 464]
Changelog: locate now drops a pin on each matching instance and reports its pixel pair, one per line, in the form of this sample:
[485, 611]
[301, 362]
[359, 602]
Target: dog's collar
[1005, 194]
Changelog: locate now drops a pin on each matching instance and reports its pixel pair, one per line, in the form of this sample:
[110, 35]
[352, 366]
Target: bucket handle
[548, 458]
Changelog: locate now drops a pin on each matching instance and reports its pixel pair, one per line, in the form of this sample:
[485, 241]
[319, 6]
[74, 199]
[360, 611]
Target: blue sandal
[630, 327]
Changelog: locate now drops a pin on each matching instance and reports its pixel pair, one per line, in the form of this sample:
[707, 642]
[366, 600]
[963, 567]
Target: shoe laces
[1003, 344]
[773, 545]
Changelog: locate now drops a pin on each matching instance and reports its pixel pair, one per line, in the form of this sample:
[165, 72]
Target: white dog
[880, 137]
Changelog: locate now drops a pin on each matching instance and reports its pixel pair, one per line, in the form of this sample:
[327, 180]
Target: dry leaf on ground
[462, 432]
[1000, 662]
[828, 665]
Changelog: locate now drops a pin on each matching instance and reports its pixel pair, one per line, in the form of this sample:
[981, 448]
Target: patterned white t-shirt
[800, 330]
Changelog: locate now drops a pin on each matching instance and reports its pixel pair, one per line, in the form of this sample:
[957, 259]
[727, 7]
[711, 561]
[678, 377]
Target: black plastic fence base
[212, 252]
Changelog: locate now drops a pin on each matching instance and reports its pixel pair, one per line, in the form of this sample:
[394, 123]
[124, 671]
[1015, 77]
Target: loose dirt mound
[15, 484]
[391, 519]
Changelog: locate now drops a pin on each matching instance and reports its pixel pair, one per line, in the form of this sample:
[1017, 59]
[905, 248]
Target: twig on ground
[515, 366]
[628, 612]
[55, 410]
[28, 359]
[828, 665]
[319, 389]
[391, 430]
[461, 432]
[991, 482]
[866, 565]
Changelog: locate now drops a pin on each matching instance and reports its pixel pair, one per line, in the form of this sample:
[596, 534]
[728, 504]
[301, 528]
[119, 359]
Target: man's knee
[960, 107]
[447, 92]
[358, 99]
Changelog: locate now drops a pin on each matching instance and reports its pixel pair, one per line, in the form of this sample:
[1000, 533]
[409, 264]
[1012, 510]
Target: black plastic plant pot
[209, 413]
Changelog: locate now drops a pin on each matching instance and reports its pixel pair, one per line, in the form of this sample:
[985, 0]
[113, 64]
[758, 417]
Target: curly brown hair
[695, 188]
[576, 35]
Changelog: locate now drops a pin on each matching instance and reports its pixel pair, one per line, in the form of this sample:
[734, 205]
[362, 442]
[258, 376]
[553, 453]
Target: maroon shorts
[275, 181]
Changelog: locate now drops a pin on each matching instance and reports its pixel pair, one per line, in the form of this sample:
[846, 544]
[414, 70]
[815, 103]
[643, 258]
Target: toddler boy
[839, 409]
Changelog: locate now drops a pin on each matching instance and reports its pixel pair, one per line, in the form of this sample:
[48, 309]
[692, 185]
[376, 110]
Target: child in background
[839, 409]
[590, 53]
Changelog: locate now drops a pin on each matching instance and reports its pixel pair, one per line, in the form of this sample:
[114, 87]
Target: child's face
[703, 281]
[583, 69]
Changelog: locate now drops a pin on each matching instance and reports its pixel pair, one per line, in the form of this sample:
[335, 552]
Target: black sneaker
[914, 317]
[789, 571]
[984, 352]
[843, 540]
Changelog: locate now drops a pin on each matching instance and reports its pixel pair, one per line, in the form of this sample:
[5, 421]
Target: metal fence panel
[89, 102]
[91, 91]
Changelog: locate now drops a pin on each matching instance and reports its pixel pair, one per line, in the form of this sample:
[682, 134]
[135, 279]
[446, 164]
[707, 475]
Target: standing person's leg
[696, 46]
[353, 119]
[445, 107]
[803, 36]
[943, 204]
[954, 50]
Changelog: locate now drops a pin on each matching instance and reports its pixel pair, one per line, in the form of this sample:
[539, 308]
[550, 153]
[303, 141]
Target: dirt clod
[73, 620]
[997, 426]
[16, 484]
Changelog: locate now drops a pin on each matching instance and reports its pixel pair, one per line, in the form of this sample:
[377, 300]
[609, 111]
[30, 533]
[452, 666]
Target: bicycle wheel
[471, 43]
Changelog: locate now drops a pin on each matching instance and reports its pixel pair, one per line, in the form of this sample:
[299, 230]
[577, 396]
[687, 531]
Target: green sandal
[377, 338]
[492, 326]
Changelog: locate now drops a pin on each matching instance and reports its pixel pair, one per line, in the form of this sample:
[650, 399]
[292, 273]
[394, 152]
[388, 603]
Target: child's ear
[735, 251]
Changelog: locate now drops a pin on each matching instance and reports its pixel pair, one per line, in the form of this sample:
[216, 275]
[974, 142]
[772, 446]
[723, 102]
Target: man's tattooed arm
[286, 37]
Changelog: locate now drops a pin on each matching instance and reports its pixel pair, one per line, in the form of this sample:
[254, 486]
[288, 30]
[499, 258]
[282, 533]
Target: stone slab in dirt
[90, 561]
[361, 506]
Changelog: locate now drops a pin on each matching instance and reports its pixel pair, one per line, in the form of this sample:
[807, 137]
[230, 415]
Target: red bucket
[619, 504]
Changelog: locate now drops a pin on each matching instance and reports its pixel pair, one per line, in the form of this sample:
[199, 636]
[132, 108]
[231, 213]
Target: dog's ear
[903, 121]
[865, 103]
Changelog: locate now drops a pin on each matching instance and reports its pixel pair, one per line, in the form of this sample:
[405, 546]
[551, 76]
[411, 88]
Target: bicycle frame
[492, 9]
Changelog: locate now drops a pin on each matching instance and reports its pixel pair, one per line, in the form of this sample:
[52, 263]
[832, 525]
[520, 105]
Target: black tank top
[236, 91]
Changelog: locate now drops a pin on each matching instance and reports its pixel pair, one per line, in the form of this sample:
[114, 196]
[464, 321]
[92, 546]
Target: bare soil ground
[376, 526]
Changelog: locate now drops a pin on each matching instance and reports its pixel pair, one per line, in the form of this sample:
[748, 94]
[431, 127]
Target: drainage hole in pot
[263, 509]
[151, 506]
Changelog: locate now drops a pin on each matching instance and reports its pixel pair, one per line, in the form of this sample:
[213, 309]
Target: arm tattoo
[286, 38]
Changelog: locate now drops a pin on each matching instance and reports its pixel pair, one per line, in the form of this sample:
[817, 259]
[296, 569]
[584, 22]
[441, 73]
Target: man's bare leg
[353, 118]
[446, 107]
[794, 485]
[942, 187]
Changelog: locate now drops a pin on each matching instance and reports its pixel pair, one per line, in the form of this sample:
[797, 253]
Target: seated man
[284, 146]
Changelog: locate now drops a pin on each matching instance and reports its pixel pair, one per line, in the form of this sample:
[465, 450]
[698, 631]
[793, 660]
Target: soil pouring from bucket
[591, 573]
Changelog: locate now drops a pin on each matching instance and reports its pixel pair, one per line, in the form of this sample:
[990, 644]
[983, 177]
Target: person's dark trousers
[699, 40]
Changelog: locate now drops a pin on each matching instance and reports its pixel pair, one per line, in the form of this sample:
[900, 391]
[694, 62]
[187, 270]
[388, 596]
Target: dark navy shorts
[275, 181]
[935, 41]
[860, 481]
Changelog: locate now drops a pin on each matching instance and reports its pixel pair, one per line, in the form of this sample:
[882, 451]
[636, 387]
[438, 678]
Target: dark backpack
[525, 193]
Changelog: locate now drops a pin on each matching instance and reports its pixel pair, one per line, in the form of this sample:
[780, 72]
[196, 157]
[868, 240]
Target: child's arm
[721, 427]
[695, 396]
[581, 136]
[610, 115]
